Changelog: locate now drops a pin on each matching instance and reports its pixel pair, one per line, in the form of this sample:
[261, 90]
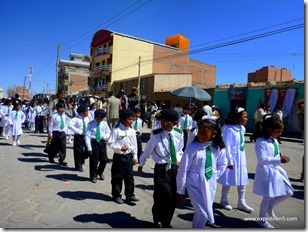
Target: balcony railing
[101, 51]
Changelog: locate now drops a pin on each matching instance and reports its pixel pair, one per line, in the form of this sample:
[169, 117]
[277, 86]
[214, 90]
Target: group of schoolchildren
[191, 155]
[213, 154]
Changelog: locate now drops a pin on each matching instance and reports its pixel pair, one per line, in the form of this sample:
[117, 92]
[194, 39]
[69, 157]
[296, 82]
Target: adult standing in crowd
[301, 126]
[113, 107]
[123, 99]
[134, 99]
[278, 114]
[207, 109]
[84, 100]
[258, 120]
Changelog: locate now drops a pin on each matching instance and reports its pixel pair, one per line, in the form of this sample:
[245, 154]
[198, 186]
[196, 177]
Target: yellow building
[120, 60]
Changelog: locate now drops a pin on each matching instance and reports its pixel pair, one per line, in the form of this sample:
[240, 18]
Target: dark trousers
[164, 194]
[185, 132]
[139, 146]
[57, 145]
[79, 150]
[122, 169]
[39, 124]
[98, 159]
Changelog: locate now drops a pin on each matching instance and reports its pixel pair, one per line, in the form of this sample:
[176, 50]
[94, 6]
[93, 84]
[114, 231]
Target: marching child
[97, 134]
[32, 115]
[185, 123]
[270, 181]
[194, 130]
[202, 163]
[124, 143]
[56, 130]
[79, 125]
[137, 125]
[165, 146]
[17, 118]
[71, 114]
[5, 121]
[93, 107]
[236, 173]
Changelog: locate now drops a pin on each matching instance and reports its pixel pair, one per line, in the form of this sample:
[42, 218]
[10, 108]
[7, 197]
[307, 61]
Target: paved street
[37, 194]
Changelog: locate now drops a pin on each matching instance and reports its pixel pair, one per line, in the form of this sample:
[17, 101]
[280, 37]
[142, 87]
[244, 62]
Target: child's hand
[180, 197]
[140, 170]
[134, 161]
[124, 148]
[230, 167]
[90, 152]
[284, 159]
[138, 132]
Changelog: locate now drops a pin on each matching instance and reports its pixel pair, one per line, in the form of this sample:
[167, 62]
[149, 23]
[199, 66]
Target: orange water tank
[179, 41]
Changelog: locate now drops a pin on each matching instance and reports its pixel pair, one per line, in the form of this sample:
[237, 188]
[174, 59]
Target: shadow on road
[55, 166]
[68, 177]
[114, 220]
[83, 195]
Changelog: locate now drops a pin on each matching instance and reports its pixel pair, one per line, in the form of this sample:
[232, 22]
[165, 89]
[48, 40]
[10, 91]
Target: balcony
[102, 69]
[101, 51]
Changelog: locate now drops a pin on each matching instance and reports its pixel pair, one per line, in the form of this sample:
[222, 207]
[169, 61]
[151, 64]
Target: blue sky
[31, 31]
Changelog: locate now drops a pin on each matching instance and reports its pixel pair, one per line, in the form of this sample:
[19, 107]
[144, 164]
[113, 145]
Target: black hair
[81, 109]
[137, 110]
[270, 122]
[99, 113]
[199, 114]
[233, 116]
[125, 114]
[60, 104]
[169, 114]
[110, 93]
[185, 107]
[214, 126]
[16, 104]
[91, 107]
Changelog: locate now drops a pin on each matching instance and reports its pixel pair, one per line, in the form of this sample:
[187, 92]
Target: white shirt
[139, 125]
[182, 122]
[55, 123]
[159, 146]
[76, 124]
[91, 132]
[122, 135]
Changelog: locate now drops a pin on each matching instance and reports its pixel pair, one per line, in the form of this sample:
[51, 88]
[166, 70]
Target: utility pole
[138, 87]
[57, 66]
[23, 91]
[30, 82]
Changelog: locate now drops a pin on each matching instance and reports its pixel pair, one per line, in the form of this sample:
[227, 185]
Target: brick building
[270, 73]
[73, 74]
[119, 59]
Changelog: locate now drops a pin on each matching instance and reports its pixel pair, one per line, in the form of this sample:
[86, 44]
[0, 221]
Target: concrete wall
[125, 55]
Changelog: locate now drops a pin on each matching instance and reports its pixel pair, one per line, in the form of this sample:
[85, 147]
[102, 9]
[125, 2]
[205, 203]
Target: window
[142, 85]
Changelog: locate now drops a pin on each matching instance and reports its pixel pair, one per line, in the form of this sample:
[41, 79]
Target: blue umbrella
[192, 92]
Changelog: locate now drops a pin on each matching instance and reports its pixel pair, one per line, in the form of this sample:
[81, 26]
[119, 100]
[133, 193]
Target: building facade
[270, 73]
[118, 61]
[23, 92]
[73, 74]
[248, 96]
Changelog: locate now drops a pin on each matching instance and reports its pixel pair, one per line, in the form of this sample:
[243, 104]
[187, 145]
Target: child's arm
[222, 162]
[147, 152]
[264, 155]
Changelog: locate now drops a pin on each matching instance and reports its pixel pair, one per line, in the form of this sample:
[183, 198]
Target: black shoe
[51, 161]
[63, 163]
[80, 169]
[118, 200]
[93, 180]
[158, 225]
[132, 199]
[102, 177]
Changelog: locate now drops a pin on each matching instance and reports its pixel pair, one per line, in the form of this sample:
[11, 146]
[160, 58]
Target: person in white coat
[202, 163]
[236, 174]
[16, 118]
[270, 181]
[5, 122]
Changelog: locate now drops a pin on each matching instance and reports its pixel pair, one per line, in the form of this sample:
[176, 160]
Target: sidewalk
[37, 194]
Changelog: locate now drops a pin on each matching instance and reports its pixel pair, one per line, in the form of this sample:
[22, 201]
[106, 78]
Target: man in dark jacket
[134, 99]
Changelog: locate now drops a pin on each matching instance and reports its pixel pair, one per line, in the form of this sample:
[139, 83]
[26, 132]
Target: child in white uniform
[236, 173]
[270, 181]
[5, 122]
[17, 118]
[202, 163]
